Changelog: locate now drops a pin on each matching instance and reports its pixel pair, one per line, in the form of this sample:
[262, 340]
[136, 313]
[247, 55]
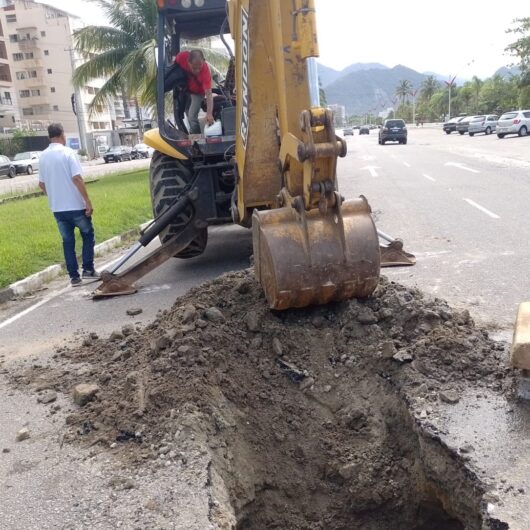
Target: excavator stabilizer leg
[306, 257]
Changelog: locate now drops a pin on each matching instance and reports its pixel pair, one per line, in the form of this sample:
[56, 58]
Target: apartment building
[8, 103]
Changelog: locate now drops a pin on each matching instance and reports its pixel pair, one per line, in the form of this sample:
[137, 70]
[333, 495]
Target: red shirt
[197, 84]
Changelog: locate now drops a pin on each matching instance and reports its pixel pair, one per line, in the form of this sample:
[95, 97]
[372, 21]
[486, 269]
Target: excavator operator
[199, 85]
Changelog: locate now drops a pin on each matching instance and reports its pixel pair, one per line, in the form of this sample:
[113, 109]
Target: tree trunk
[126, 110]
[139, 119]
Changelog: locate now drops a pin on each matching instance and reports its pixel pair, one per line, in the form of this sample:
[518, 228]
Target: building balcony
[32, 82]
[27, 45]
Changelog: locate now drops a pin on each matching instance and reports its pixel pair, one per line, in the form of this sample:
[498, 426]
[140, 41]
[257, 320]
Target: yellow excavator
[273, 167]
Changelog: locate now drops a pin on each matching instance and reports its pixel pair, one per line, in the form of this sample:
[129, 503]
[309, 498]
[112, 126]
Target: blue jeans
[67, 222]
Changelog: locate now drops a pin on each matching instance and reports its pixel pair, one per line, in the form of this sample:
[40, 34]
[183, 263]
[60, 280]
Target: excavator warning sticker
[245, 60]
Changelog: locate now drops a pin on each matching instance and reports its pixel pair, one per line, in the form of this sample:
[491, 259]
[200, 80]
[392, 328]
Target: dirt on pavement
[311, 419]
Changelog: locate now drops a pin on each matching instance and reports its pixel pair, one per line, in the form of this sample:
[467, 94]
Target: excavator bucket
[307, 257]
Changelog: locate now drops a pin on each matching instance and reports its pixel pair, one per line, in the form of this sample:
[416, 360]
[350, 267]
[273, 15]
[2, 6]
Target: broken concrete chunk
[22, 435]
[47, 397]
[116, 335]
[252, 321]
[277, 347]
[190, 313]
[84, 393]
[449, 396]
[214, 315]
[134, 311]
[127, 330]
[403, 356]
[388, 350]
[521, 338]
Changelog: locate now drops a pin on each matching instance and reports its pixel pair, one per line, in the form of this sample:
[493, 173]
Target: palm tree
[476, 85]
[429, 87]
[122, 53]
[403, 90]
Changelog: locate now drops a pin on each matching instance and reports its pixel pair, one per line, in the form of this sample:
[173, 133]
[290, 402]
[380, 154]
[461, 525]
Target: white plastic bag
[216, 129]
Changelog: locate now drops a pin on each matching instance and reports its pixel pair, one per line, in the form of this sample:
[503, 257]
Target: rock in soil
[22, 435]
[84, 393]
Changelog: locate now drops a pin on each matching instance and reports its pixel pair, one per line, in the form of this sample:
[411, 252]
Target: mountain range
[365, 87]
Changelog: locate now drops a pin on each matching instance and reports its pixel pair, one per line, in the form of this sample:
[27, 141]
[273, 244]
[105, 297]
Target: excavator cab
[272, 168]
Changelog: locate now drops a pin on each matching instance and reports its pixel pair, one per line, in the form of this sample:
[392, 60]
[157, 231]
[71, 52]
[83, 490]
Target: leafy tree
[476, 86]
[322, 92]
[520, 49]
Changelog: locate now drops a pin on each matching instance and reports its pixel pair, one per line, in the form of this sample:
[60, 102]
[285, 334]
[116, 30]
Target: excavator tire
[168, 177]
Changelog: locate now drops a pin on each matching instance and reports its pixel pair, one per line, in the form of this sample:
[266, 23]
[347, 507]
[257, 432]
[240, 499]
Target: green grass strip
[29, 237]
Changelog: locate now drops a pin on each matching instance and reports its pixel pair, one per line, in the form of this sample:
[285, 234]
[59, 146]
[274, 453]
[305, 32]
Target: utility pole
[79, 109]
[450, 84]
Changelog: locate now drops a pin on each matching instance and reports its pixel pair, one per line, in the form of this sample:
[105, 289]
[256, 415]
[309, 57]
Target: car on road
[142, 151]
[394, 130]
[450, 125]
[515, 122]
[7, 167]
[364, 129]
[348, 131]
[483, 124]
[118, 153]
[26, 162]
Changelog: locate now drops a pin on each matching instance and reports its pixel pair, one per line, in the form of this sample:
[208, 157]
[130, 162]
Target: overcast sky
[450, 37]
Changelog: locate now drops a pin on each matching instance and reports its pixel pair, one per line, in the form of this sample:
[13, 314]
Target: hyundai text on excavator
[274, 168]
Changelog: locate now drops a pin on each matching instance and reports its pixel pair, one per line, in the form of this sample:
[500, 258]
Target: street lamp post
[450, 84]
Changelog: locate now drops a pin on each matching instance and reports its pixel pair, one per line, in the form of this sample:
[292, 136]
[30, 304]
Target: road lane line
[32, 308]
[461, 166]
[406, 164]
[372, 170]
[429, 178]
[482, 209]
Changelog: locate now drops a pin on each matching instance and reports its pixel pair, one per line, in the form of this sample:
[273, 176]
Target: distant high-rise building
[339, 111]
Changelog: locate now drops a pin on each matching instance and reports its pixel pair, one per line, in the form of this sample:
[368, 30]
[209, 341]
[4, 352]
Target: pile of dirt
[314, 419]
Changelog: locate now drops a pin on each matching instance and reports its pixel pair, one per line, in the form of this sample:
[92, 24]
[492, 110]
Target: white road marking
[406, 164]
[462, 166]
[368, 158]
[482, 209]
[429, 178]
[47, 299]
[372, 170]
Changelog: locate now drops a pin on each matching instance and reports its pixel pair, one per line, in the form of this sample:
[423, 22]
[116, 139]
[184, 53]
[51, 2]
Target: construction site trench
[312, 419]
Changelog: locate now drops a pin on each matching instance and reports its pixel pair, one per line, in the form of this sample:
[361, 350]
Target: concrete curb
[35, 282]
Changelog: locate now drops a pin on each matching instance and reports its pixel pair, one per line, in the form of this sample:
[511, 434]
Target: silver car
[27, 162]
[483, 124]
[515, 122]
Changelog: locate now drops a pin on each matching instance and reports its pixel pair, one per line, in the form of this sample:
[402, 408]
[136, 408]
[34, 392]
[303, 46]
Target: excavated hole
[352, 460]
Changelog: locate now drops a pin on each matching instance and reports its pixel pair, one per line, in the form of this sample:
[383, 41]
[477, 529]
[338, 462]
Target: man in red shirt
[199, 86]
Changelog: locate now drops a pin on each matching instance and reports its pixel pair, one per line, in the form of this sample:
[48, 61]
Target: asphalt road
[461, 206]
[459, 203]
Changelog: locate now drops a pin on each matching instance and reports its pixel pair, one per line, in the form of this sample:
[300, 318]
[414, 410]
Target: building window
[28, 55]
[13, 38]
[56, 107]
[27, 112]
[90, 89]
[49, 70]
[52, 89]
[46, 52]
[35, 92]
[24, 93]
[11, 18]
[21, 75]
[7, 97]
[18, 57]
[32, 74]
[43, 34]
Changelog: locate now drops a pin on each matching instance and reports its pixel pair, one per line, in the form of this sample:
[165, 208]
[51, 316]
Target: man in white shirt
[60, 179]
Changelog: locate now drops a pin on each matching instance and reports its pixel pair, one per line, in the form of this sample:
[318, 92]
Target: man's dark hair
[196, 55]
[55, 130]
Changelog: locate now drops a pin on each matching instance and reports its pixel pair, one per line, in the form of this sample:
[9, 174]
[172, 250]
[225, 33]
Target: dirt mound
[314, 419]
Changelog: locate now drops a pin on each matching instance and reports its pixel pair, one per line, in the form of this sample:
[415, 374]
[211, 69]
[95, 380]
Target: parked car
[462, 126]
[394, 130]
[26, 162]
[450, 125]
[348, 131]
[7, 167]
[516, 122]
[364, 129]
[118, 153]
[483, 124]
[142, 151]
